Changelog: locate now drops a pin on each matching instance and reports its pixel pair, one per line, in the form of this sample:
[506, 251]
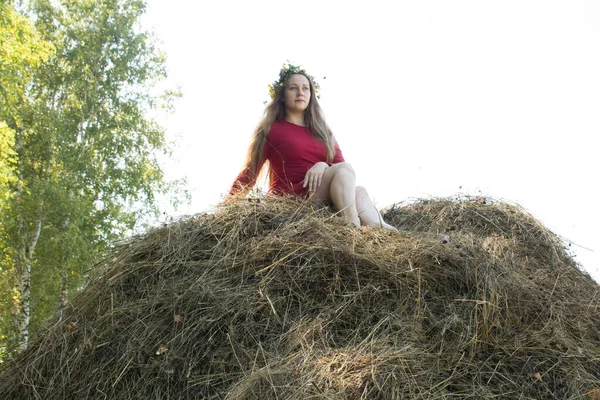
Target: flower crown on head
[285, 72]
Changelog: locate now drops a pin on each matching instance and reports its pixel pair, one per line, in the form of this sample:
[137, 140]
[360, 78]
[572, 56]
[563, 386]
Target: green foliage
[7, 178]
[22, 50]
[7, 162]
[86, 146]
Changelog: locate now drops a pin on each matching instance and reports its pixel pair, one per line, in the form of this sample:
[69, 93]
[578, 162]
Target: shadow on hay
[281, 299]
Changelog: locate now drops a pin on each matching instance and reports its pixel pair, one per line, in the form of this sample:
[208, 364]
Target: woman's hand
[313, 176]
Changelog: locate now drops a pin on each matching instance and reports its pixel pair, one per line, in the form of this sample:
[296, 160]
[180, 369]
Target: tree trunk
[23, 269]
[23, 307]
[64, 291]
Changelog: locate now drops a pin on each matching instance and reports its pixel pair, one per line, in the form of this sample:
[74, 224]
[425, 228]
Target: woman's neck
[295, 118]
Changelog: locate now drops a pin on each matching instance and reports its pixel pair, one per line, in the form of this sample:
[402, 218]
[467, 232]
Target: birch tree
[22, 50]
[86, 148]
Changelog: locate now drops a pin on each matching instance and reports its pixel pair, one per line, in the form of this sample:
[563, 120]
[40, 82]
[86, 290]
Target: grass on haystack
[281, 299]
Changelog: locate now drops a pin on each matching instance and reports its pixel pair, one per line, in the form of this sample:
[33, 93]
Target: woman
[303, 156]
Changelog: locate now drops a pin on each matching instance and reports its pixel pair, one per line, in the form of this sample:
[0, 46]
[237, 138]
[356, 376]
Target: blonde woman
[302, 156]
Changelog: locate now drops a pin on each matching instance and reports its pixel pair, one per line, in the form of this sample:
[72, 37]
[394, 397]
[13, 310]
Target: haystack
[281, 299]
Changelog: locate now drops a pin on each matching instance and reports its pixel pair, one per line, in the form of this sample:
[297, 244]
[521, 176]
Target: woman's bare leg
[342, 195]
[338, 187]
[367, 212]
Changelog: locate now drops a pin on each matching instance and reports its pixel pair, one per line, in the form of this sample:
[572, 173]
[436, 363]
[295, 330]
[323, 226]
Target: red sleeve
[338, 157]
[244, 179]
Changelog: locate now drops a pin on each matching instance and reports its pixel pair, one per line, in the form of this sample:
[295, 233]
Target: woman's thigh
[323, 191]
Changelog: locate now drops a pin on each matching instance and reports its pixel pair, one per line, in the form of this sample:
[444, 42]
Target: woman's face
[296, 95]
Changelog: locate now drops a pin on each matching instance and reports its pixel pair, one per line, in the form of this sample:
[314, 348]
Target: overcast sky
[426, 98]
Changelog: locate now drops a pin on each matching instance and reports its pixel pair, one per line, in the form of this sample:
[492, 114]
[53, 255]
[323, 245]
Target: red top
[292, 150]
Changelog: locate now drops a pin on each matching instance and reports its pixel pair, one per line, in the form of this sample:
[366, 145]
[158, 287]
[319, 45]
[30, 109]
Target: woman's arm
[244, 182]
[246, 179]
[338, 157]
[314, 175]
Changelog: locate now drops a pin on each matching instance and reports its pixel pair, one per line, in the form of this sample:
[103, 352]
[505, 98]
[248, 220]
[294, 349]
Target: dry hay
[281, 299]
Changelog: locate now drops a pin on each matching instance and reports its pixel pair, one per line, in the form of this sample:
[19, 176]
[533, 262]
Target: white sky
[426, 98]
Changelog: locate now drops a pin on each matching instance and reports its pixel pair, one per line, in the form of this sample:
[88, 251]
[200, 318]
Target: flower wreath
[284, 73]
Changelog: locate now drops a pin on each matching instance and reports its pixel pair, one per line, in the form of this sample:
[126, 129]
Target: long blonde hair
[314, 120]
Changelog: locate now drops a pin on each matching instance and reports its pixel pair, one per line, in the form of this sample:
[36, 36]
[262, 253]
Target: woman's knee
[361, 191]
[346, 177]
[344, 170]
[344, 166]
[338, 176]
